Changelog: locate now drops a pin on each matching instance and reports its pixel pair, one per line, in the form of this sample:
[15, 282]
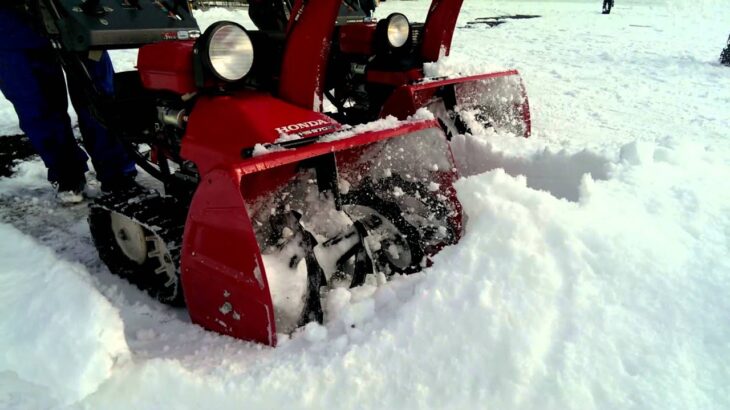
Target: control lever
[93, 8]
[171, 11]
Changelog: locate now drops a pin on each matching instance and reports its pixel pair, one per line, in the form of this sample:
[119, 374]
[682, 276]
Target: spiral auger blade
[374, 205]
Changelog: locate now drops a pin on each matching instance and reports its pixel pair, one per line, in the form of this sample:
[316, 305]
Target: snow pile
[601, 297]
[459, 66]
[545, 303]
[57, 331]
[559, 172]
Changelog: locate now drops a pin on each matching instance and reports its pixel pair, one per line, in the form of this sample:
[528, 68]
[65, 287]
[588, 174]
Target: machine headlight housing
[226, 50]
[397, 29]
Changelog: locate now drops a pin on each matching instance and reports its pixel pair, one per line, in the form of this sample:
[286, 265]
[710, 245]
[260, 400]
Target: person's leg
[109, 157]
[32, 80]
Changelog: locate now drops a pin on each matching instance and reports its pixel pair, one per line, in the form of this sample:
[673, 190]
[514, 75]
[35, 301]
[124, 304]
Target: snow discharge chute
[373, 79]
[474, 104]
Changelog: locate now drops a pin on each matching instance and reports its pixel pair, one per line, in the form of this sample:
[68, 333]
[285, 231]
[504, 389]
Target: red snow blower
[377, 70]
[268, 201]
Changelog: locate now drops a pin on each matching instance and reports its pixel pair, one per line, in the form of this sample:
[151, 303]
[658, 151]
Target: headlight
[227, 51]
[398, 30]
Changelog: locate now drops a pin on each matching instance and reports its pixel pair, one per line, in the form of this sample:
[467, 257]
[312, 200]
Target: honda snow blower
[268, 201]
[376, 70]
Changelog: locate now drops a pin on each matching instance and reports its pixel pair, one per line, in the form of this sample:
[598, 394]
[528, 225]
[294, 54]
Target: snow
[261, 149]
[454, 66]
[593, 274]
[386, 123]
[69, 351]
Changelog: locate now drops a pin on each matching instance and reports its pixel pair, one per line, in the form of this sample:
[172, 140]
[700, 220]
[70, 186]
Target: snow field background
[594, 272]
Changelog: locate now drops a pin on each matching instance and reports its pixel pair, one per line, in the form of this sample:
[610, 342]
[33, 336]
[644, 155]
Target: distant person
[725, 55]
[607, 4]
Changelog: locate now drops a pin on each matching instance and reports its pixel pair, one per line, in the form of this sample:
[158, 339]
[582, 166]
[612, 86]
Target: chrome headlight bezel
[397, 30]
[226, 51]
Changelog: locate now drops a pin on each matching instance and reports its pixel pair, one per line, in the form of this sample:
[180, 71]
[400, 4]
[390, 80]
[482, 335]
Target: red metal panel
[448, 81]
[307, 50]
[222, 272]
[402, 102]
[357, 38]
[407, 99]
[395, 78]
[221, 126]
[439, 28]
[167, 66]
[279, 158]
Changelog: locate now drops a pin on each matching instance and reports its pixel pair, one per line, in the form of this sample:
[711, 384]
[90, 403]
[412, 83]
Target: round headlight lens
[230, 52]
[399, 29]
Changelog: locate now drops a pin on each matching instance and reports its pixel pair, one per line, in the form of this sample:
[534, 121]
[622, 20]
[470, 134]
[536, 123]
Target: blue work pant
[32, 80]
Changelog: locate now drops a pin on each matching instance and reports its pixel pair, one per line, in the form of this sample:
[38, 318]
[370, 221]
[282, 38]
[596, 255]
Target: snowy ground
[594, 272]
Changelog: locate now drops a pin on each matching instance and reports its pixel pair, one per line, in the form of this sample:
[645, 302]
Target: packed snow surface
[594, 272]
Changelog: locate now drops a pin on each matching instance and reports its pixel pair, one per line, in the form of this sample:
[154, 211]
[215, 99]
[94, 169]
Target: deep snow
[594, 272]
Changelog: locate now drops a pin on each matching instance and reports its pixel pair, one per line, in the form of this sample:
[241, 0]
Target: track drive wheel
[138, 235]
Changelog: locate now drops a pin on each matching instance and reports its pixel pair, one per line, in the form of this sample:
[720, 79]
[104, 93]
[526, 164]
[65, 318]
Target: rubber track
[161, 215]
